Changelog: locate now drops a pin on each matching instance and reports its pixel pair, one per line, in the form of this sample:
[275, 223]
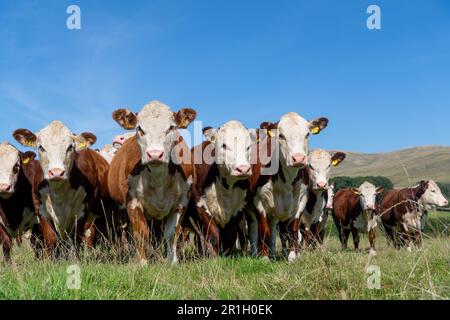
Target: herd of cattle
[239, 186]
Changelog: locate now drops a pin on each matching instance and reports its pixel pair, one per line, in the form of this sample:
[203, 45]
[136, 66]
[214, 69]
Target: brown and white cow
[221, 186]
[109, 151]
[279, 186]
[402, 212]
[355, 211]
[73, 190]
[17, 214]
[151, 175]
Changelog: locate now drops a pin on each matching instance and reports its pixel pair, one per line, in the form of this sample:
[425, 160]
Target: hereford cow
[109, 151]
[402, 212]
[279, 195]
[221, 186]
[355, 211]
[72, 191]
[17, 214]
[151, 175]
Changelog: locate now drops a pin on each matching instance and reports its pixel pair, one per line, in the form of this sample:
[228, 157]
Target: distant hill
[403, 167]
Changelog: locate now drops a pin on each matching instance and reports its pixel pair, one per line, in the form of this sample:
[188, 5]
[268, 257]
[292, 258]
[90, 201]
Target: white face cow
[367, 193]
[320, 163]
[57, 147]
[9, 169]
[233, 144]
[156, 129]
[119, 140]
[433, 196]
[293, 135]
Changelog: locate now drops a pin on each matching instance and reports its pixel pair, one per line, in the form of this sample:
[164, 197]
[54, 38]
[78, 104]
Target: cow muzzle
[5, 188]
[155, 156]
[118, 142]
[299, 160]
[56, 174]
[243, 171]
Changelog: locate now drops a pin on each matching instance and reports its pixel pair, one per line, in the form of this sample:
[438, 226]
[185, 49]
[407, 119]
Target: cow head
[293, 135]
[432, 194]
[156, 129]
[233, 143]
[57, 147]
[320, 163]
[119, 140]
[367, 193]
[330, 198]
[11, 161]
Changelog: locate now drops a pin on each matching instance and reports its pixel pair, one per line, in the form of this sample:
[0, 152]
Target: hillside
[403, 167]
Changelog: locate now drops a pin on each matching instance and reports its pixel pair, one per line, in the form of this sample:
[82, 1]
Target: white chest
[364, 223]
[160, 196]
[281, 201]
[316, 216]
[412, 220]
[222, 203]
[63, 207]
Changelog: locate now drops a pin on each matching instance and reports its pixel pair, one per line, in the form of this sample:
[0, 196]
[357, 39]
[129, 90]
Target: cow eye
[311, 167]
[248, 148]
[70, 148]
[224, 146]
[140, 131]
[307, 135]
[282, 136]
[42, 149]
[16, 168]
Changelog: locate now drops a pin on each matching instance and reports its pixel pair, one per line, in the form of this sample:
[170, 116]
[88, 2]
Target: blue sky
[246, 60]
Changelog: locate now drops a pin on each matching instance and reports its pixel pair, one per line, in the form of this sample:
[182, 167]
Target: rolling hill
[403, 167]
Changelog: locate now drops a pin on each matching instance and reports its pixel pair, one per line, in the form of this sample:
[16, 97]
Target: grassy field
[323, 274]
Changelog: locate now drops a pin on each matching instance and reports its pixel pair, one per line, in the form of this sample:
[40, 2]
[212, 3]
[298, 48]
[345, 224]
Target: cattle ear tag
[356, 192]
[25, 161]
[81, 145]
[29, 143]
[270, 133]
[315, 130]
[335, 163]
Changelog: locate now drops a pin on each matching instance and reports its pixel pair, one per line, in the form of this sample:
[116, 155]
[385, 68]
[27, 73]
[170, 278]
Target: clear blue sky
[245, 60]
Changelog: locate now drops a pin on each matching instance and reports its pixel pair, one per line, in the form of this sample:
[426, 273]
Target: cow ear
[210, 134]
[25, 137]
[337, 158]
[380, 190]
[125, 118]
[184, 117]
[269, 127]
[356, 191]
[27, 157]
[85, 140]
[316, 126]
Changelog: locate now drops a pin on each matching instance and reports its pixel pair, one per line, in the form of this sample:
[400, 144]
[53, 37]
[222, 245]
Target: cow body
[354, 210]
[17, 214]
[403, 210]
[152, 174]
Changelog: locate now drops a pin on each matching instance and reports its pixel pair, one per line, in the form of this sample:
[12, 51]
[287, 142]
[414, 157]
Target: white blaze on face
[293, 134]
[367, 196]
[320, 167]
[434, 196]
[9, 169]
[330, 199]
[233, 148]
[56, 147]
[156, 132]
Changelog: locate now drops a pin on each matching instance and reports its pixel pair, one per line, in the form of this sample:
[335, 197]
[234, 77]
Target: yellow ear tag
[270, 133]
[82, 145]
[356, 192]
[315, 130]
[25, 161]
[335, 163]
[28, 143]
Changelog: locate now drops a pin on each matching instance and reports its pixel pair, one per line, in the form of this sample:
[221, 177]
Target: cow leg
[293, 228]
[141, 233]
[284, 235]
[389, 234]
[355, 235]
[231, 233]
[90, 234]
[273, 238]
[170, 235]
[6, 244]
[418, 239]
[344, 234]
[253, 232]
[264, 232]
[50, 237]
[372, 236]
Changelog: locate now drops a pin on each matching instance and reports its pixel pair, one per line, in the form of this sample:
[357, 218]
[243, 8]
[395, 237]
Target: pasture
[321, 274]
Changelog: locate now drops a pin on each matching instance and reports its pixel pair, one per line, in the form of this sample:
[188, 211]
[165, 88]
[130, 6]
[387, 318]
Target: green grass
[323, 274]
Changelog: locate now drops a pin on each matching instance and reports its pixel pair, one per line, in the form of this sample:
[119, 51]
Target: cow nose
[243, 169]
[56, 173]
[445, 203]
[155, 155]
[371, 206]
[322, 185]
[4, 187]
[299, 159]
